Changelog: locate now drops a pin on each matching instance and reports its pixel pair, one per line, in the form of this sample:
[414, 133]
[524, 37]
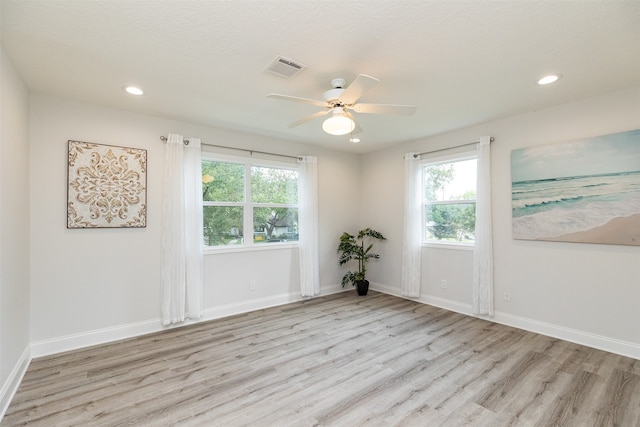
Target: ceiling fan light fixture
[338, 123]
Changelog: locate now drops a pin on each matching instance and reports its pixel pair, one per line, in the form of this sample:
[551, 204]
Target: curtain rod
[186, 142]
[415, 156]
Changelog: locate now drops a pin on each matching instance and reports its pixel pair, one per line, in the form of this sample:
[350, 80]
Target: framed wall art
[106, 186]
[585, 191]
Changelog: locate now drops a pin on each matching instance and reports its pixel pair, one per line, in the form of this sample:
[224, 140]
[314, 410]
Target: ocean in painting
[548, 208]
[568, 191]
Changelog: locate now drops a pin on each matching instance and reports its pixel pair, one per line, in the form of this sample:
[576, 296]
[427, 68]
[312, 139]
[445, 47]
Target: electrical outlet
[443, 283]
[252, 285]
[507, 296]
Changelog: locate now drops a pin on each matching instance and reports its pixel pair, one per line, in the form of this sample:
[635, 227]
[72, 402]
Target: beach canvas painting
[585, 191]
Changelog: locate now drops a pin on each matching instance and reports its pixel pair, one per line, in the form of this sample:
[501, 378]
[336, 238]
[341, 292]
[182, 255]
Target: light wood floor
[339, 360]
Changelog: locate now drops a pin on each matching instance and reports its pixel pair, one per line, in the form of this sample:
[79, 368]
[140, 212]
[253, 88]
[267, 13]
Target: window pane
[222, 225]
[272, 185]
[450, 181]
[222, 182]
[275, 225]
[451, 222]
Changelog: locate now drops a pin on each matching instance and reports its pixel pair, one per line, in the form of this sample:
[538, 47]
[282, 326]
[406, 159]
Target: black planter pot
[362, 287]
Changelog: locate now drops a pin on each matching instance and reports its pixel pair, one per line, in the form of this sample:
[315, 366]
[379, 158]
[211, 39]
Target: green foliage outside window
[436, 177]
[222, 182]
[451, 222]
[274, 198]
[274, 186]
[448, 217]
[223, 225]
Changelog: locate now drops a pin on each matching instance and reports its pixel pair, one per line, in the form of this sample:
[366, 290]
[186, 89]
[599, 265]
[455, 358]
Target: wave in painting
[549, 208]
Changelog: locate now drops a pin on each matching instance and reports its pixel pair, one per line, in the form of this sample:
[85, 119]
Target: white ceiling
[460, 62]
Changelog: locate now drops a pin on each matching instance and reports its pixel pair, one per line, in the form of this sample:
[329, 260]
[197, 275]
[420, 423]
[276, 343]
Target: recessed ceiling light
[133, 90]
[551, 78]
[354, 140]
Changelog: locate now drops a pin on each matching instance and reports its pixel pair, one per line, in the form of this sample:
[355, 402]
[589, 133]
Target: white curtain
[482, 285]
[411, 247]
[182, 259]
[308, 226]
[193, 229]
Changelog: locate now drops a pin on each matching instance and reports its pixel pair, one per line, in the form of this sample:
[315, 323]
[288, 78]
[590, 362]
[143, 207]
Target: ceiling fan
[340, 101]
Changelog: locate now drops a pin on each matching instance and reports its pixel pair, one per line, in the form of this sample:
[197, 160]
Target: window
[449, 200]
[248, 203]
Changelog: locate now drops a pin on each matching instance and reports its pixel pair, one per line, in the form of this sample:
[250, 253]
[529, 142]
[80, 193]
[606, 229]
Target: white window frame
[436, 160]
[248, 243]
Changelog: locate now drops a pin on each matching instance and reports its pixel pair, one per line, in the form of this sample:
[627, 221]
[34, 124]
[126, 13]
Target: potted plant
[358, 247]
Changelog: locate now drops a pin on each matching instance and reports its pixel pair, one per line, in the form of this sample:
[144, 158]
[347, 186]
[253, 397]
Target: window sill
[207, 250]
[449, 245]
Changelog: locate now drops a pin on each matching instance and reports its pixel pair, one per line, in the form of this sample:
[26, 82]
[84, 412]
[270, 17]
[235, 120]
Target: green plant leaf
[352, 247]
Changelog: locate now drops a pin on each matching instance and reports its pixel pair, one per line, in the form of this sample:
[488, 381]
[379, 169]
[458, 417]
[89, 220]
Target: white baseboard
[612, 345]
[103, 336]
[90, 338]
[12, 383]
[247, 306]
[447, 304]
[623, 348]
[259, 304]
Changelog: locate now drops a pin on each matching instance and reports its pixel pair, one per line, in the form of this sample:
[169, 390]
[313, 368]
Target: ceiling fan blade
[406, 110]
[297, 99]
[357, 88]
[311, 117]
[357, 128]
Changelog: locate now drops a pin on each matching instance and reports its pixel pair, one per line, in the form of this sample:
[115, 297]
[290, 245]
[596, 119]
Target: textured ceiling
[461, 63]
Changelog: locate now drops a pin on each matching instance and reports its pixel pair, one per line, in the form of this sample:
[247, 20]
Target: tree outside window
[241, 196]
[450, 201]
[223, 195]
[274, 194]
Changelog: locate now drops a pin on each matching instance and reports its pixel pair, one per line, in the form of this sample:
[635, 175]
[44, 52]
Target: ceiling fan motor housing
[332, 95]
[338, 83]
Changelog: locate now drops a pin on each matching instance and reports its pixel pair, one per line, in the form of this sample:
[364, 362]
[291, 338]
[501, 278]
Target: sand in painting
[618, 231]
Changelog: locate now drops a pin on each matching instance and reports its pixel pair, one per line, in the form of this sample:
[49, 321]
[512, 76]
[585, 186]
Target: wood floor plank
[512, 383]
[617, 409]
[569, 400]
[339, 360]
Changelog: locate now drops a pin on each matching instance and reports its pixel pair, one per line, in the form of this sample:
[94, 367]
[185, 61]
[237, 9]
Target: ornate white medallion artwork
[107, 186]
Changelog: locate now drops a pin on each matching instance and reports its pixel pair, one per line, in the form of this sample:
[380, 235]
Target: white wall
[14, 229]
[581, 292]
[95, 284]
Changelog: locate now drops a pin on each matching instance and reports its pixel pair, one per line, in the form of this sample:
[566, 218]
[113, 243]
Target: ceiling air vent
[283, 67]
